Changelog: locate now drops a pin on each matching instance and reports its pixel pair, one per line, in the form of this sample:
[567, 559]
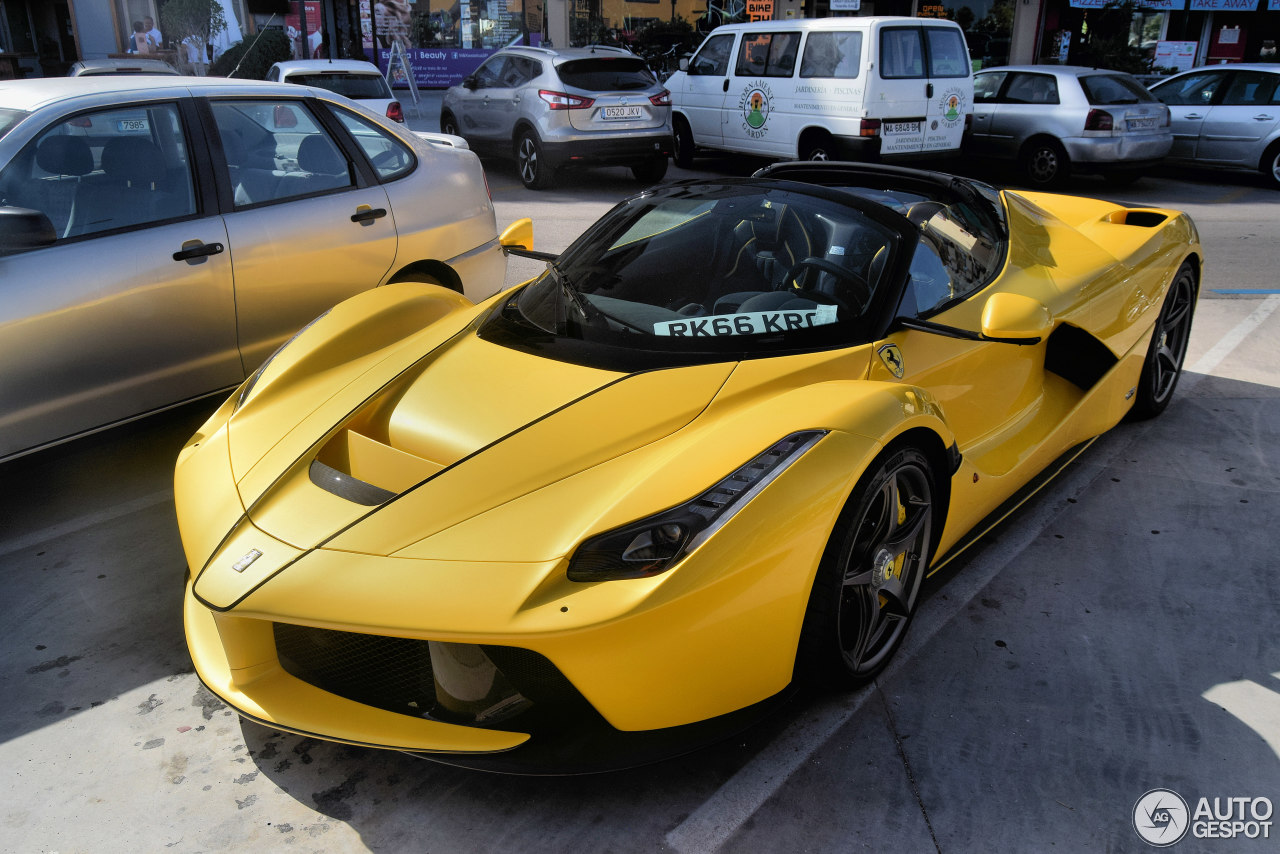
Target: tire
[817, 147]
[682, 143]
[1044, 163]
[650, 171]
[1163, 365]
[867, 586]
[448, 124]
[530, 164]
[1271, 165]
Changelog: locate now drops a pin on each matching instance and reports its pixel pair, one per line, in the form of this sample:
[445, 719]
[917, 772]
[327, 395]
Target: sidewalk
[427, 115]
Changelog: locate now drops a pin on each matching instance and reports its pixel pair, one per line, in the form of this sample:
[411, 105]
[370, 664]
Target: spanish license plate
[132, 126]
[615, 113]
[895, 128]
[1144, 123]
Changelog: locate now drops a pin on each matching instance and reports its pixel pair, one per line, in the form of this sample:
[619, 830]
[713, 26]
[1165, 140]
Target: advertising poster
[293, 29]
[1179, 55]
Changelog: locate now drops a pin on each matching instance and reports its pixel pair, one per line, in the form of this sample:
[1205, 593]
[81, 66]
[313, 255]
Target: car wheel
[865, 592]
[682, 143]
[817, 147]
[1271, 165]
[650, 171]
[448, 124]
[1168, 347]
[1044, 163]
[533, 168]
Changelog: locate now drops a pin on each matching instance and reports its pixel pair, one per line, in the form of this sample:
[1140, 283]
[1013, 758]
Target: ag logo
[755, 104]
[952, 107]
[1161, 818]
[892, 358]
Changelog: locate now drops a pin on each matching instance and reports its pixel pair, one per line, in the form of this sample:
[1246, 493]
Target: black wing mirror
[22, 229]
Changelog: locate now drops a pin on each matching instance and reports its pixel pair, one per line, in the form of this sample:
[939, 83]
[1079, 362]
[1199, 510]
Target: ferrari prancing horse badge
[892, 358]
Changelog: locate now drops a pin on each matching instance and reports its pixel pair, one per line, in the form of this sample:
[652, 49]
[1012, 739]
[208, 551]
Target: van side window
[768, 55]
[713, 59]
[832, 55]
[948, 56]
[901, 53]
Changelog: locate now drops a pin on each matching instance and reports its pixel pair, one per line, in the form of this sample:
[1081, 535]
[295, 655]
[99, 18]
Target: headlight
[243, 394]
[654, 545]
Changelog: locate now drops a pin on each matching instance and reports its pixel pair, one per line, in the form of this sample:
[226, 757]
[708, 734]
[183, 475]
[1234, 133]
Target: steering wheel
[864, 297]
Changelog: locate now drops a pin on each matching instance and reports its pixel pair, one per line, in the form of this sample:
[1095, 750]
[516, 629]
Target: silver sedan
[160, 236]
[1054, 120]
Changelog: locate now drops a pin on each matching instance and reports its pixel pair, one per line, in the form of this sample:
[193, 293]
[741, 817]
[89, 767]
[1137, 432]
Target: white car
[160, 237]
[359, 80]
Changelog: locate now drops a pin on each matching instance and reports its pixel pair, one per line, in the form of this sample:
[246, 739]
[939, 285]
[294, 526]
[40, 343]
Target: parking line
[1244, 291]
[89, 520]
[713, 823]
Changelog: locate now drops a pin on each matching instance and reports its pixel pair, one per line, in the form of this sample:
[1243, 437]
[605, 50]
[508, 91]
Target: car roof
[31, 95]
[1057, 70]
[89, 66]
[314, 66]
[1234, 66]
[566, 53]
[830, 23]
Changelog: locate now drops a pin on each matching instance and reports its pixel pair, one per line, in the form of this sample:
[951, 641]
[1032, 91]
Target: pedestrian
[140, 42]
[153, 31]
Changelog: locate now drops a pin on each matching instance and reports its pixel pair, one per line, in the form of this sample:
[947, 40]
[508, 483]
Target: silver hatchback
[1226, 117]
[1053, 120]
[555, 108]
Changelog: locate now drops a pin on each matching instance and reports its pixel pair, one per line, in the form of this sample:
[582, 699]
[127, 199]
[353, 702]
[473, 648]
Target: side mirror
[469, 82]
[518, 235]
[684, 63]
[22, 229]
[1013, 317]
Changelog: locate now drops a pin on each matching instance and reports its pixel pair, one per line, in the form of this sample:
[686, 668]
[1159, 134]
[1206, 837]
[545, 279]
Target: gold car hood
[472, 426]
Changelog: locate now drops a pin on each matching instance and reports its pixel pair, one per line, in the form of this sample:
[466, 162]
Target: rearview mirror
[684, 63]
[1012, 317]
[518, 235]
[22, 229]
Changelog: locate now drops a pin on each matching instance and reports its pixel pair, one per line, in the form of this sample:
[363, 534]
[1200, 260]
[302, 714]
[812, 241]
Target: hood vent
[345, 486]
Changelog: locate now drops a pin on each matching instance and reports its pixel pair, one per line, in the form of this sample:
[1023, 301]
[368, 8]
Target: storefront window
[987, 25]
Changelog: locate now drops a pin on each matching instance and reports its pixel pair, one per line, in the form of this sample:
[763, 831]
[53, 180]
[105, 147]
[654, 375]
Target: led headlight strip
[652, 546]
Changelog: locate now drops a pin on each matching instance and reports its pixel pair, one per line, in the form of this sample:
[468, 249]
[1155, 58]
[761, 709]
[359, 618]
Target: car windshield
[1109, 89]
[358, 86]
[607, 74]
[9, 119]
[742, 267]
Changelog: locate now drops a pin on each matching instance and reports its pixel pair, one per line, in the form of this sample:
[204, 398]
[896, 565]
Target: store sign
[438, 67]
[931, 10]
[759, 10]
[1156, 5]
[1223, 5]
[1179, 55]
[855, 5]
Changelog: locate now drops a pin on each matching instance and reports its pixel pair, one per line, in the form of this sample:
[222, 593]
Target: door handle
[1263, 118]
[726, 84]
[368, 214]
[199, 250]
[1193, 116]
[928, 90]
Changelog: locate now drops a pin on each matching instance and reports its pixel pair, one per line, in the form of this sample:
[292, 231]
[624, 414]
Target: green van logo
[755, 104]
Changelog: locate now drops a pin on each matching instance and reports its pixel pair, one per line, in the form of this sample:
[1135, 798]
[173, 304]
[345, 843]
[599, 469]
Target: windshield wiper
[570, 292]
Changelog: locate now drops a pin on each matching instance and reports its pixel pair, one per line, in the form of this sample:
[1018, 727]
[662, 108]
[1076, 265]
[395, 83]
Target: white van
[873, 88]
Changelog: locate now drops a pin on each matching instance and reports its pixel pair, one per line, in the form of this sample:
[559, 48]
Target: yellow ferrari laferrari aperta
[712, 451]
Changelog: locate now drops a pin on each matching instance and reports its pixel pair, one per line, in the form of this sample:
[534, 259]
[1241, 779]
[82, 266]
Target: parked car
[139, 65]
[358, 80]
[617, 512]
[551, 109]
[1226, 117]
[866, 88]
[161, 237]
[1052, 120]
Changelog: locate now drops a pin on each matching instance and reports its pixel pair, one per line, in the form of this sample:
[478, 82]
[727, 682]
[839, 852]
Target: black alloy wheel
[682, 143]
[534, 171]
[1044, 163]
[1168, 349]
[818, 147]
[448, 124]
[1271, 165]
[866, 590]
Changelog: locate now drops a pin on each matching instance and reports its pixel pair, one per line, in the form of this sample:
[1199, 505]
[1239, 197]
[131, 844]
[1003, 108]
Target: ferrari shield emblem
[892, 358]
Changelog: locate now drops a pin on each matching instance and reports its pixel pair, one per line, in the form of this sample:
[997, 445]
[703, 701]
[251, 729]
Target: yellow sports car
[711, 452]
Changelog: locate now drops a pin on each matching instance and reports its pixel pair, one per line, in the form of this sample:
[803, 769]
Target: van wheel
[650, 171]
[534, 171]
[682, 143]
[817, 147]
[1044, 163]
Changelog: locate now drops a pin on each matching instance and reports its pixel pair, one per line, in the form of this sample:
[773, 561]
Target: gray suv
[1054, 120]
[554, 108]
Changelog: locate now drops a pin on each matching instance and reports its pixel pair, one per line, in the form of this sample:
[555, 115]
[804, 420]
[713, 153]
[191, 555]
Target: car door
[752, 120]
[903, 84]
[306, 225]
[475, 122]
[949, 90]
[131, 308]
[1026, 105]
[703, 98]
[1189, 97]
[986, 90]
[1235, 129]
